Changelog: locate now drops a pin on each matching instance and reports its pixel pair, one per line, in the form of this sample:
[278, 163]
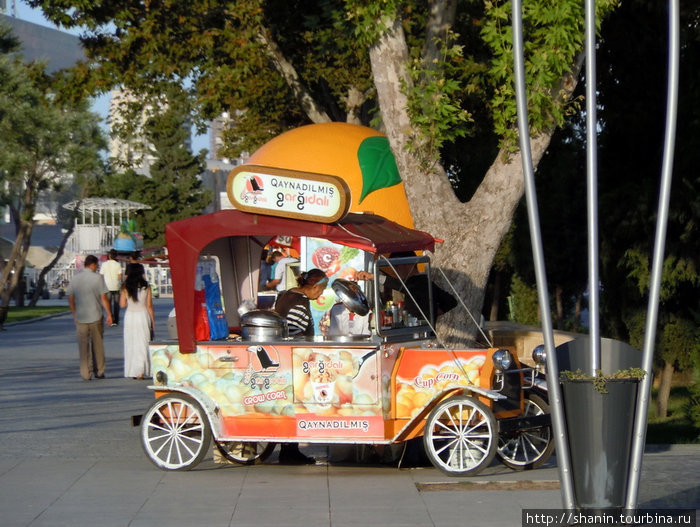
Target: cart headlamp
[539, 355]
[502, 359]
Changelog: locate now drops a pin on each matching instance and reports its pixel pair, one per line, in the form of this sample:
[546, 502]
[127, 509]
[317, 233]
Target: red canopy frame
[187, 238]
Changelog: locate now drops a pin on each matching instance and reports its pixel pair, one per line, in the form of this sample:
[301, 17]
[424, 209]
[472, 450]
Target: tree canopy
[172, 189]
[42, 141]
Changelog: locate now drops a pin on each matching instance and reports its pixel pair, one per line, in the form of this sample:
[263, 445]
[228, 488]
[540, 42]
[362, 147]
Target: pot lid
[351, 296]
[263, 318]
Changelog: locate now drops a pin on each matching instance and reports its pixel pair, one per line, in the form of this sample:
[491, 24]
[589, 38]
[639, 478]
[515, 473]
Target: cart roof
[186, 239]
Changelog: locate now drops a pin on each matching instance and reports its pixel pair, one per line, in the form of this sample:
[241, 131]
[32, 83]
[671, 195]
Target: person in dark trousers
[294, 304]
[87, 296]
[112, 272]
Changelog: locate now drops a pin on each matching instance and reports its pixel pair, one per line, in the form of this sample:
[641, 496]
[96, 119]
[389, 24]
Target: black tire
[460, 436]
[175, 432]
[528, 449]
[245, 453]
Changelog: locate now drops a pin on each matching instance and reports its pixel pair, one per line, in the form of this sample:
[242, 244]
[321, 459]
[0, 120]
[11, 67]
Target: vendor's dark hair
[134, 280]
[311, 277]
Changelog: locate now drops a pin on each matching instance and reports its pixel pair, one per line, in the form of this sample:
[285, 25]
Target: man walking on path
[87, 295]
[112, 272]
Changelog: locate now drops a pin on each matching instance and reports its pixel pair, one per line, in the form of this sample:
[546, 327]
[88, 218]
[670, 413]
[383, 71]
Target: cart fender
[414, 427]
[208, 405]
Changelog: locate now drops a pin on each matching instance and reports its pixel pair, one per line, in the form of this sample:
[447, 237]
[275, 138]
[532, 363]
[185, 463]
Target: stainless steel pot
[263, 325]
[351, 296]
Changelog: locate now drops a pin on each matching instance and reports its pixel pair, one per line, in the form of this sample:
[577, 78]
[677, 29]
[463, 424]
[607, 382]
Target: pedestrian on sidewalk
[112, 272]
[87, 295]
[139, 322]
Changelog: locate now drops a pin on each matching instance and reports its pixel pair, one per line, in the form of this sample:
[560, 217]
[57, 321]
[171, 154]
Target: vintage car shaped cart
[253, 386]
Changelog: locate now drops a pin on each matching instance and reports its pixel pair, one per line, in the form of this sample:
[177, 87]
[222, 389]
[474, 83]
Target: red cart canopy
[186, 239]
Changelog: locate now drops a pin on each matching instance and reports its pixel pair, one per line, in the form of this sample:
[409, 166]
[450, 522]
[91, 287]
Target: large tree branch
[426, 193]
[285, 68]
[440, 21]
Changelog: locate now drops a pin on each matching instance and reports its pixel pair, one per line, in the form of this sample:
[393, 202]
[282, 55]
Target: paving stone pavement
[69, 456]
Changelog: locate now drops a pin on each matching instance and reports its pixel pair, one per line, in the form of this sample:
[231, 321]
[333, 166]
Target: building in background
[218, 166]
[133, 152]
[39, 43]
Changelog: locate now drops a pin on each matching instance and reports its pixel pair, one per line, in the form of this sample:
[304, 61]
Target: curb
[37, 319]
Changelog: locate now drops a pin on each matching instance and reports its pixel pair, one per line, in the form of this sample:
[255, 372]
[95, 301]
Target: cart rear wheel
[460, 436]
[245, 453]
[175, 432]
[528, 449]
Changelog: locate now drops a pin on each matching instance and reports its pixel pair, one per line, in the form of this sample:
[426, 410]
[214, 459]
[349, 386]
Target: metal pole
[555, 400]
[592, 189]
[640, 419]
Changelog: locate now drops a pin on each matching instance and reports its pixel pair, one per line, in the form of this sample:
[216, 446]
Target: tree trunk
[577, 313]
[285, 68]
[471, 231]
[497, 285]
[14, 268]
[559, 319]
[664, 390]
[42, 276]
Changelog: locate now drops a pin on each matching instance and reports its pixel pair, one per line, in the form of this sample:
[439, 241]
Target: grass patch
[677, 427]
[18, 314]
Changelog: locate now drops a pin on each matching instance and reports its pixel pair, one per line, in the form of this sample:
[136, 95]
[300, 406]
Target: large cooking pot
[263, 325]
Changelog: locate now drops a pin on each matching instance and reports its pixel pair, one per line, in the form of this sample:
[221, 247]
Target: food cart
[254, 386]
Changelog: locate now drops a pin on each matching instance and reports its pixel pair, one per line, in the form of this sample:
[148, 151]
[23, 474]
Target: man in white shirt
[343, 322]
[112, 272]
[279, 279]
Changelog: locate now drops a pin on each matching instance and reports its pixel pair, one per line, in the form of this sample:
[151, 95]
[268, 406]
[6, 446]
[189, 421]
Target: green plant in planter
[600, 378]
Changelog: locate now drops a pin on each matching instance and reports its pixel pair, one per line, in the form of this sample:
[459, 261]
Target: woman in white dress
[139, 322]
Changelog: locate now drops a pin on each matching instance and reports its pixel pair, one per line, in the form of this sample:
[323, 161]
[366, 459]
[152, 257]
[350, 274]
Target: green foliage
[217, 49]
[693, 407]
[173, 190]
[553, 38]
[523, 301]
[677, 272]
[19, 314]
[371, 18]
[43, 139]
[600, 379]
[434, 99]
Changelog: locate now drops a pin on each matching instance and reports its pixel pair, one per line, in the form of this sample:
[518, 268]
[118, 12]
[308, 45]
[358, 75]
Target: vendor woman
[294, 304]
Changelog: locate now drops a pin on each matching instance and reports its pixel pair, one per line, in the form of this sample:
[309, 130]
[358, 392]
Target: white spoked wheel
[460, 436]
[245, 453]
[527, 449]
[175, 432]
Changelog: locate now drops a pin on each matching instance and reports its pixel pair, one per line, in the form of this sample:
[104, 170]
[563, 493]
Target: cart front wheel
[460, 436]
[245, 453]
[175, 432]
[528, 449]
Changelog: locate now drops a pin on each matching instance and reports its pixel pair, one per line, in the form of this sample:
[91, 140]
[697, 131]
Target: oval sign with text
[288, 193]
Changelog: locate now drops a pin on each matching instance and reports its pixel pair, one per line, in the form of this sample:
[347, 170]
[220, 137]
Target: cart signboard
[288, 193]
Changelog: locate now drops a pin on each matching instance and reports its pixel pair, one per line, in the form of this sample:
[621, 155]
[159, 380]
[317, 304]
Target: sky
[101, 104]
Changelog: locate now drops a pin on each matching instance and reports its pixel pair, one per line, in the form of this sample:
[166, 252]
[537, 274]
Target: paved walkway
[70, 457]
